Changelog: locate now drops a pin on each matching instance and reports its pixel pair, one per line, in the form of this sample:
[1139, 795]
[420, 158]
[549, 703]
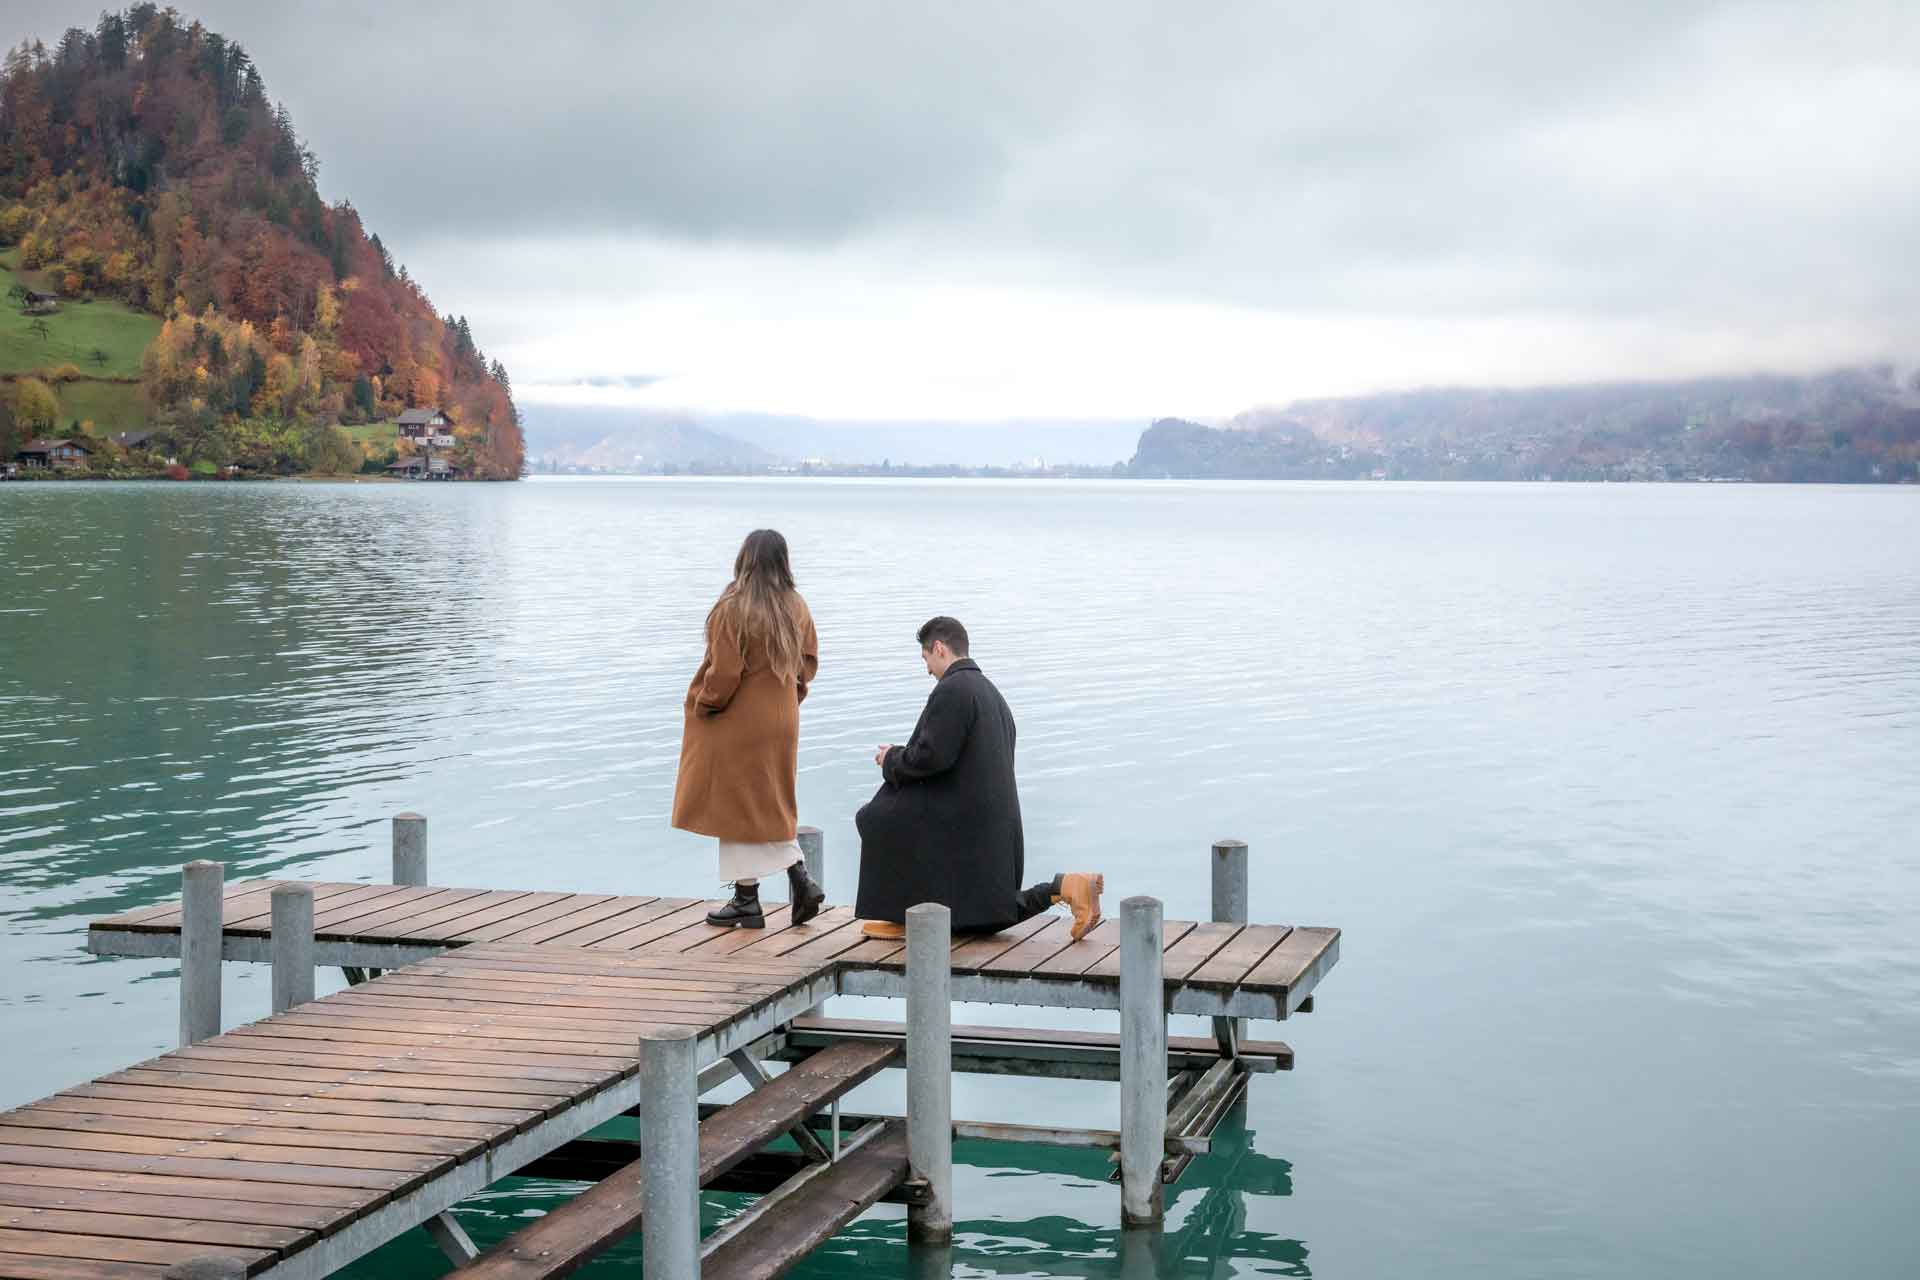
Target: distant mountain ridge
[1847, 426]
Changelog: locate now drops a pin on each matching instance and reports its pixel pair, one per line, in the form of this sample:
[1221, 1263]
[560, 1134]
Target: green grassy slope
[107, 395]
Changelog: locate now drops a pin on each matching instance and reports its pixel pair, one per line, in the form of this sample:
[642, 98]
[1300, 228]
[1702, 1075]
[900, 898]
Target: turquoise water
[1612, 788]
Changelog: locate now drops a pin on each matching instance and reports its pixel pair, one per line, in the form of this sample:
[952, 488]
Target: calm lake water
[1613, 790]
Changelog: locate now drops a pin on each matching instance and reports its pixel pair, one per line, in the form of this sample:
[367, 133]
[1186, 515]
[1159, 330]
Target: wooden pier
[487, 1032]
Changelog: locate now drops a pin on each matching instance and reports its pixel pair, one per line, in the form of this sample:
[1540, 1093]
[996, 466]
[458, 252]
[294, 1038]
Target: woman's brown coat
[740, 748]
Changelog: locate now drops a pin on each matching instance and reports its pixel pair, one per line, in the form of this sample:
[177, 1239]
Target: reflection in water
[1206, 1234]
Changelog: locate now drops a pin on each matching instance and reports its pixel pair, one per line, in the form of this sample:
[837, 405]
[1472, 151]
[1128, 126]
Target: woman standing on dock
[739, 750]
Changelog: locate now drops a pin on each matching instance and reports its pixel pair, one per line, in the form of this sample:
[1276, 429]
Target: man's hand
[880, 756]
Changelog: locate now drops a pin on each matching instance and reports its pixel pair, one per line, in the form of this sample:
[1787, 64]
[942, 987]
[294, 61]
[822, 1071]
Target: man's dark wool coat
[945, 825]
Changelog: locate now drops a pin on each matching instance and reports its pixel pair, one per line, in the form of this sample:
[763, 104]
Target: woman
[739, 750]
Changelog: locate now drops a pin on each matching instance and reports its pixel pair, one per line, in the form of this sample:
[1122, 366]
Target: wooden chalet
[58, 455]
[426, 427]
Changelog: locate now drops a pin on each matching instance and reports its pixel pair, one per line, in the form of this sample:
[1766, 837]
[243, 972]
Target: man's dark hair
[945, 629]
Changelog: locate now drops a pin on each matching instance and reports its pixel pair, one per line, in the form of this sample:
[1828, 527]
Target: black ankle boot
[743, 912]
[803, 893]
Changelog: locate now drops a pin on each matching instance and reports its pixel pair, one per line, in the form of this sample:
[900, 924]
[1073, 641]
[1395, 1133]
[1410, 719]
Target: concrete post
[409, 849]
[930, 1069]
[292, 945]
[813, 847]
[1230, 907]
[670, 1153]
[1143, 1062]
[202, 892]
[1230, 881]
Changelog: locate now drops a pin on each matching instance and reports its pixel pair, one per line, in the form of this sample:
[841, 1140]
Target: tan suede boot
[883, 929]
[1080, 890]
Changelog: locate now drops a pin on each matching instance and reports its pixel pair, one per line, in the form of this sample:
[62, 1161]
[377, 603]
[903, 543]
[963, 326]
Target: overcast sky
[979, 210]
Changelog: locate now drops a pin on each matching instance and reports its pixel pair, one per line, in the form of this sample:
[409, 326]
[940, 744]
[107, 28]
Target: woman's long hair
[761, 604]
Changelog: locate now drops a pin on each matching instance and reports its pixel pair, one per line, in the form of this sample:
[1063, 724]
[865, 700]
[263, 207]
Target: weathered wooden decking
[507, 1025]
[293, 1145]
[1230, 970]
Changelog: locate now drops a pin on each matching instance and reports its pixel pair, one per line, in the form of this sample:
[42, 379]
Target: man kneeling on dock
[945, 825]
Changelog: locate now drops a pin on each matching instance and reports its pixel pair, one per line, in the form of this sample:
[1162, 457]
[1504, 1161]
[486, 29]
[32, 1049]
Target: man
[945, 825]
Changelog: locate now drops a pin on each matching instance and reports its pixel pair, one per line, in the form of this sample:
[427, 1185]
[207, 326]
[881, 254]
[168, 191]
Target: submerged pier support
[1143, 1062]
[202, 894]
[930, 1070]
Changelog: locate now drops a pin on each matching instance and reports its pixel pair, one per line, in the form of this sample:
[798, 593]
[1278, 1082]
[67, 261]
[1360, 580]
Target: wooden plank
[54, 1244]
[452, 978]
[192, 1186]
[1235, 960]
[642, 912]
[436, 921]
[452, 929]
[810, 1216]
[1108, 966]
[356, 902]
[363, 1128]
[296, 1101]
[795, 936]
[577, 1069]
[575, 1233]
[351, 1168]
[830, 945]
[560, 996]
[165, 917]
[873, 953]
[1284, 965]
[294, 1219]
[584, 922]
[389, 917]
[530, 1011]
[137, 1226]
[257, 1051]
[369, 1182]
[420, 1078]
[970, 951]
[1076, 958]
[536, 1106]
[22, 1266]
[708, 940]
[685, 918]
[574, 907]
[1200, 945]
[181, 1129]
[502, 958]
[1043, 945]
[610, 1055]
[262, 919]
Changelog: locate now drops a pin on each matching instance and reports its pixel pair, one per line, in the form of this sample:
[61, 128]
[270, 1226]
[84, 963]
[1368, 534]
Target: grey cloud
[1638, 157]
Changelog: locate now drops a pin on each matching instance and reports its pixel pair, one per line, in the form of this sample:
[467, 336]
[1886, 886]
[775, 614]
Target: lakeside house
[131, 439]
[419, 467]
[59, 455]
[428, 427]
[39, 303]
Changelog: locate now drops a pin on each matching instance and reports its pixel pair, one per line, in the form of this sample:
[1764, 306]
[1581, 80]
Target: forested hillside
[142, 163]
[1851, 425]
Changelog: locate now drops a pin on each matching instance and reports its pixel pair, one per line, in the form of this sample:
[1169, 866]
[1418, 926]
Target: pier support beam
[1230, 907]
[813, 847]
[930, 1070]
[1143, 1062]
[409, 849]
[670, 1153]
[292, 945]
[202, 889]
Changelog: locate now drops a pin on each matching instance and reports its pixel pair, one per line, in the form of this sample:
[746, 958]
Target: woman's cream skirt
[740, 861]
